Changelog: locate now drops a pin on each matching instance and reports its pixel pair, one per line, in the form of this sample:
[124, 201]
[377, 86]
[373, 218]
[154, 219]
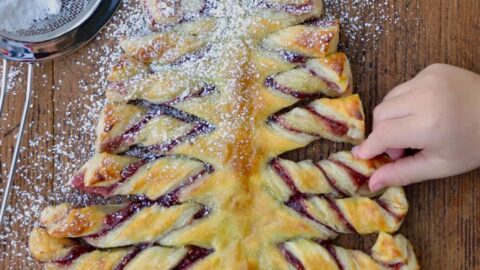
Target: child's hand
[437, 112]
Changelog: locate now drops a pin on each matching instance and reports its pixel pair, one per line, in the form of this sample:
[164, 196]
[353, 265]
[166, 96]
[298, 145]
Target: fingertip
[361, 151]
[376, 182]
[355, 151]
[395, 154]
[375, 186]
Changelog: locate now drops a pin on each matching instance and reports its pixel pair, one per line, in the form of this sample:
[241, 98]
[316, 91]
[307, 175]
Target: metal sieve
[76, 24]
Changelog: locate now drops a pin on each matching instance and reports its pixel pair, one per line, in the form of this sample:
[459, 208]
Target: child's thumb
[402, 172]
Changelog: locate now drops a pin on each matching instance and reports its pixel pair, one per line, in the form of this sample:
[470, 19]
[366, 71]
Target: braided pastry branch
[313, 191]
[106, 226]
[338, 120]
[168, 47]
[329, 76]
[341, 175]
[203, 92]
[388, 253]
[166, 87]
[293, 7]
[163, 13]
[355, 214]
[157, 127]
[109, 175]
[298, 43]
[125, 68]
[63, 253]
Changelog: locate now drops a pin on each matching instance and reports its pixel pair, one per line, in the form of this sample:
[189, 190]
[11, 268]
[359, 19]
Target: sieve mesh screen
[72, 14]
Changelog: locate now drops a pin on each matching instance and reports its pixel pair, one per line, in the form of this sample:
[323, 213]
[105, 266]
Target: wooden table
[444, 220]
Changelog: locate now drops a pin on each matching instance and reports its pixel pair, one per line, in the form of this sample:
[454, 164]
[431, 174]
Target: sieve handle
[11, 173]
[4, 83]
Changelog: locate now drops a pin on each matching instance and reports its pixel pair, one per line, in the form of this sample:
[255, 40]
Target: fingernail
[355, 150]
[374, 187]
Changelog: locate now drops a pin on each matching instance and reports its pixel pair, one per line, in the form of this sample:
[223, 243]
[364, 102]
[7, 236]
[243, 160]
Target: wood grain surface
[444, 218]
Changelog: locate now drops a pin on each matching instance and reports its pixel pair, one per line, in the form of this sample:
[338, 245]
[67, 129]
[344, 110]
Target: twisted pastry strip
[146, 125]
[156, 102]
[311, 190]
[189, 37]
[64, 253]
[300, 42]
[162, 13]
[167, 87]
[109, 175]
[125, 68]
[354, 214]
[341, 175]
[169, 46]
[293, 7]
[108, 226]
[339, 120]
[329, 76]
[388, 253]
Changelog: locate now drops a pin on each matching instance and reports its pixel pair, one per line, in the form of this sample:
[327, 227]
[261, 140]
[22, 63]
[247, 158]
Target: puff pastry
[198, 114]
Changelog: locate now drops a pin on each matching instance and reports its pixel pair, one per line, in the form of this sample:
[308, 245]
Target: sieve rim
[18, 51]
[71, 25]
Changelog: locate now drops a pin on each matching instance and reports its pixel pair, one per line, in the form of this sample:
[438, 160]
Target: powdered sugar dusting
[81, 113]
[364, 22]
[63, 149]
[19, 15]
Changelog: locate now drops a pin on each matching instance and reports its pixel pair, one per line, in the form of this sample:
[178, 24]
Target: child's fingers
[402, 172]
[395, 154]
[393, 108]
[400, 90]
[394, 133]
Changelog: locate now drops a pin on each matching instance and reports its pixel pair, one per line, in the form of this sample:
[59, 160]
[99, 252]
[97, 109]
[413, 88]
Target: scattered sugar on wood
[69, 151]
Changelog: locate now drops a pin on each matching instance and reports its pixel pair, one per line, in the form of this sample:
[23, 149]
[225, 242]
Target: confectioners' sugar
[81, 113]
[18, 15]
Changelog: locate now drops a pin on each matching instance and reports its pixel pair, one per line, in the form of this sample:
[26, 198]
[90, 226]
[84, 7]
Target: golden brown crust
[338, 120]
[167, 47]
[329, 76]
[109, 175]
[124, 68]
[66, 221]
[154, 220]
[306, 254]
[44, 247]
[309, 40]
[338, 176]
[196, 119]
[162, 13]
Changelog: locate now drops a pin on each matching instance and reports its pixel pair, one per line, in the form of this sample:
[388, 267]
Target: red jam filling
[294, 57]
[334, 255]
[194, 254]
[385, 207]
[330, 85]
[284, 175]
[291, 259]
[131, 255]
[296, 203]
[271, 83]
[357, 178]
[331, 182]
[74, 254]
[170, 199]
[333, 205]
[299, 9]
[157, 110]
[339, 128]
